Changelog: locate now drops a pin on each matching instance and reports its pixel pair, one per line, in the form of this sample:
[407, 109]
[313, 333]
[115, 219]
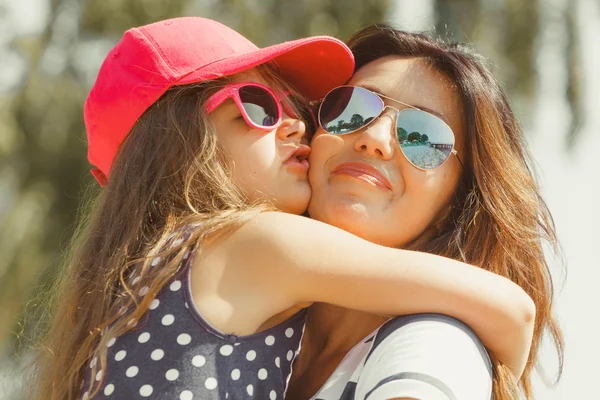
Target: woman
[465, 191]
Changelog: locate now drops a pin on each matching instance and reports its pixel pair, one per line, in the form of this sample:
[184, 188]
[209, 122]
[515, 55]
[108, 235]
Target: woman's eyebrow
[378, 90]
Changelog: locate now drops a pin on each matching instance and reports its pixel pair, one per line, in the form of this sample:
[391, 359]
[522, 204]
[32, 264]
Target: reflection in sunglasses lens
[347, 109]
[260, 106]
[425, 139]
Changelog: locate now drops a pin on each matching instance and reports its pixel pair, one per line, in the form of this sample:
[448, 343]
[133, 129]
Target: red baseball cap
[150, 59]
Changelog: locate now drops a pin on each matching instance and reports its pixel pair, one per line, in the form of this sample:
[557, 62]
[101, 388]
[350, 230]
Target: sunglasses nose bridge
[376, 137]
[392, 115]
[394, 110]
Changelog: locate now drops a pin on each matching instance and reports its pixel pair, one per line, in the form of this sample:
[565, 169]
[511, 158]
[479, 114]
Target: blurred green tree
[402, 134]
[414, 137]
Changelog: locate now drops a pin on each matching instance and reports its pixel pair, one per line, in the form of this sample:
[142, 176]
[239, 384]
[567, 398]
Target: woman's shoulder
[430, 324]
[426, 356]
[430, 356]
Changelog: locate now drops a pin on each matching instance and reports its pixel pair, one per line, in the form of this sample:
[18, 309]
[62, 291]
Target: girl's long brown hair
[498, 220]
[169, 173]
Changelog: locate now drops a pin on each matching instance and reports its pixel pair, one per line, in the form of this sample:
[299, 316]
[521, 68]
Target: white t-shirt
[422, 356]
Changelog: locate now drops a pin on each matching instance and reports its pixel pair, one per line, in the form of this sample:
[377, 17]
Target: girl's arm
[302, 261]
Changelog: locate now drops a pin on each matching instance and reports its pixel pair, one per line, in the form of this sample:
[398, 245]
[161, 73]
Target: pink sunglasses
[260, 106]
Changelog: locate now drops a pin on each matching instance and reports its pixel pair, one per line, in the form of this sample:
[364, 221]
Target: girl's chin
[297, 207]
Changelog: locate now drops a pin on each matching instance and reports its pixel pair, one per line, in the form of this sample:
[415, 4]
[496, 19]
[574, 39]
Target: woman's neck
[332, 330]
[329, 334]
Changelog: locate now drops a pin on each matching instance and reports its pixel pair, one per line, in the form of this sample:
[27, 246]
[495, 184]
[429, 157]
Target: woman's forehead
[413, 81]
[407, 80]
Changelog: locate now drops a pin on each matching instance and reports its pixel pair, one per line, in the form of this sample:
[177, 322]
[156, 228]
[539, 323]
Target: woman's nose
[377, 140]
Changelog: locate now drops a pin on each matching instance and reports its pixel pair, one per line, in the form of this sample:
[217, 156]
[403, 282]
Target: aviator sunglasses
[425, 139]
[260, 106]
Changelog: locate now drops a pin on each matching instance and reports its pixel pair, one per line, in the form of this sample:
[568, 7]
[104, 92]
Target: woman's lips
[365, 172]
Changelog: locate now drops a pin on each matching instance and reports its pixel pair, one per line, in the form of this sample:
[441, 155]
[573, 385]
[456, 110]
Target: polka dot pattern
[120, 355]
[198, 361]
[235, 374]
[210, 383]
[226, 350]
[144, 337]
[109, 389]
[262, 374]
[157, 354]
[146, 390]
[172, 374]
[132, 371]
[155, 303]
[186, 395]
[168, 320]
[184, 339]
[171, 352]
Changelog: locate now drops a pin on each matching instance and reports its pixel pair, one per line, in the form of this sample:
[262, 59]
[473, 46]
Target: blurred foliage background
[50, 52]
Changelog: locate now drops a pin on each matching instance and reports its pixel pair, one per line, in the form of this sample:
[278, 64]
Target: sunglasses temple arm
[458, 158]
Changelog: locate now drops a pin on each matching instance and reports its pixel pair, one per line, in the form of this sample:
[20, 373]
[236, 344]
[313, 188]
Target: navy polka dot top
[174, 353]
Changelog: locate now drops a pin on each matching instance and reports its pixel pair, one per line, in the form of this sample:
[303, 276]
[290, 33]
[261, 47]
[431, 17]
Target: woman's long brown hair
[498, 220]
[169, 173]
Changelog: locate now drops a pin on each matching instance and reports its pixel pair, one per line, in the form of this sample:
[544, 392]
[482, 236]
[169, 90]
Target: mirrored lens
[425, 139]
[347, 109]
[260, 106]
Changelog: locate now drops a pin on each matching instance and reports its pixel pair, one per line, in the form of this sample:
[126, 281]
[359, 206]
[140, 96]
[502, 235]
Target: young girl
[184, 283]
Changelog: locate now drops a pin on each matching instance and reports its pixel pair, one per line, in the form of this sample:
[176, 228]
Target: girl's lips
[365, 172]
[297, 164]
[298, 158]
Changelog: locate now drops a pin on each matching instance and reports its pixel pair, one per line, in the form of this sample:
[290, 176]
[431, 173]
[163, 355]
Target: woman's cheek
[324, 147]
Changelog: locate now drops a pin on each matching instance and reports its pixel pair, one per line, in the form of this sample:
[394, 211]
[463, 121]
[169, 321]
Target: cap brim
[313, 65]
